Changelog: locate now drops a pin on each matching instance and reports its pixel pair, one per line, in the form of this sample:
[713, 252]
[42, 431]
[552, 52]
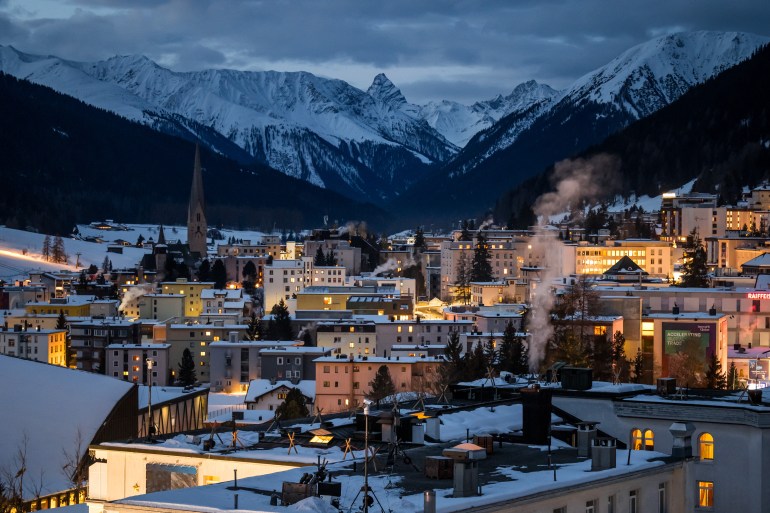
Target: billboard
[687, 349]
[684, 336]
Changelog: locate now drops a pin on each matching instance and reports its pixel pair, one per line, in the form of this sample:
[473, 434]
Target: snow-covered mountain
[323, 131]
[459, 123]
[633, 85]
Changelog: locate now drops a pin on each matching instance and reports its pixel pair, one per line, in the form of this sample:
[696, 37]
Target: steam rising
[135, 293]
[575, 181]
[391, 265]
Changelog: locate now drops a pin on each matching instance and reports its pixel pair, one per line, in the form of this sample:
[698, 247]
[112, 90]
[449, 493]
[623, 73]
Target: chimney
[429, 501]
[682, 445]
[466, 458]
[536, 409]
[603, 453]
[233, 336]
[675, 310]
[585, 437]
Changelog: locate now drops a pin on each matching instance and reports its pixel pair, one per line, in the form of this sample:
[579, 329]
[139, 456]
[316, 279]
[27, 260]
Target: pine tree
[453, 355]
[331, 260]
[58, 253]
[463, 280]
[293, 407]
[732, 377]
[61, 321]
[140, 241]
[419, 241]
[219, 274]
[250, 271]
[279, 327]
[254, 331]
[320, 258]
[715, 378]
[465, 234]
[481, 268]
[106, 265]
[187, 376]
[46, 251]
[694, 269]
[204, 271]
[381, 386]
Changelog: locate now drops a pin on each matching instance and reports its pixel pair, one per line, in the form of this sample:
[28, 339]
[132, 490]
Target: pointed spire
[196, 192]
[196, 214]
[161, 235]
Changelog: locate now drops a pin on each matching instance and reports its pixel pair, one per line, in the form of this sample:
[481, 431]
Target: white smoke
[134, 293]
[575, 180]
[489, 221]
[393, 265]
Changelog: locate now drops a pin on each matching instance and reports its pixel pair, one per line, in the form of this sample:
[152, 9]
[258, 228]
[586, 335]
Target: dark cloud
[499, 43]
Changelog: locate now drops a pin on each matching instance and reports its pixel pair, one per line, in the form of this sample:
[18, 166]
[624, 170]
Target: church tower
[196, 213]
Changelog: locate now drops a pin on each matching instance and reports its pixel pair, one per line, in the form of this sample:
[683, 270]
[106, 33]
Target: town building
[89, 340]
[42, 345]
[129, 363]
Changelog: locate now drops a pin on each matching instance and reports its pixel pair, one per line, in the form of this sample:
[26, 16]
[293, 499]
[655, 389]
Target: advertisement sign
[686, 337]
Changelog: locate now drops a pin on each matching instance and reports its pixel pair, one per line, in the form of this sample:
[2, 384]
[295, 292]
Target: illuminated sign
[758, 295]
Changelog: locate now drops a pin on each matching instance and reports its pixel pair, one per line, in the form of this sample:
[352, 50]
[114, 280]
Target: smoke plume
[392, 264]
[574, 181]
[135, 293]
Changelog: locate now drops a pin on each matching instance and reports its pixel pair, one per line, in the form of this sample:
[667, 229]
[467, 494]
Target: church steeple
[161, 236]
[196, 214]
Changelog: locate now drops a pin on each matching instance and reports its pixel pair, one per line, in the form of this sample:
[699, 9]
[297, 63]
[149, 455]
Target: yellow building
[49, 346]
[72, 306]
[655, 257]
[192, 292]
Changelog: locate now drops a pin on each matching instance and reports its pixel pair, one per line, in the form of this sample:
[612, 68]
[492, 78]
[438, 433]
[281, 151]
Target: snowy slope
[321, 130]
[459, 123]
[637, 83]
[653, 74]
[20, 253]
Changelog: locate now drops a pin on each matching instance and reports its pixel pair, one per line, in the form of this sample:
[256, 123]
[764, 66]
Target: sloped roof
[625, 266]
[49, 405]
[260, 387]
[762, 260]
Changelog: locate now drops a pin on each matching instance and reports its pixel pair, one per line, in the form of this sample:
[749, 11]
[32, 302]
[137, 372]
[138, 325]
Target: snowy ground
[21, 253]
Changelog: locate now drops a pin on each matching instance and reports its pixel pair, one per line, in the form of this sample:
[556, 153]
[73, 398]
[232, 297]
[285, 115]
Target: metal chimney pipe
[429, 501]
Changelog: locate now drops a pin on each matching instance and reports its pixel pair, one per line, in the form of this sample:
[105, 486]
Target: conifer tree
[463, 280]
[279, 327]
[58, 254]
[204, 271]
[694, 269]
[219, 274]
[381, 386]
[187, 375]
[732, 377]
[513, 352]
[331, 260]
[254, 331]
[715, 378]
[638, 366]
[61, 321]
[481, 268]
[46, 251]
[320, 258]
[294, 406]
[453, 355]
[419, 240]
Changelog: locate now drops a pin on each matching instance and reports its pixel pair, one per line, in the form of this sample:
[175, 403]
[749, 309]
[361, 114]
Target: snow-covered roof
[373, 359]
[49, 405]
[164, 394]
[762, 260]
[260, 387]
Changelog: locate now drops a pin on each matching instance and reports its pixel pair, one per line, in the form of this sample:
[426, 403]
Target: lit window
[203, 353]
[706, 494]
[706, 445]
[649, 440]
[203, 344]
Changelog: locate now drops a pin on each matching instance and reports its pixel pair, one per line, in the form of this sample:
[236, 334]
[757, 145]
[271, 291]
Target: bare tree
[75, 466]
[12, 479]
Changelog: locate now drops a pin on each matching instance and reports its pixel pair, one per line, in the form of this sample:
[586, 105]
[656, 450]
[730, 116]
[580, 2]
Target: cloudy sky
[431, 49]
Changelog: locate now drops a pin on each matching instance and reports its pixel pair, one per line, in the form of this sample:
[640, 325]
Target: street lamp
[149, 399]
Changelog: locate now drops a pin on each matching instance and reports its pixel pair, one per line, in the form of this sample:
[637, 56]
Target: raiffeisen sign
[758, 295]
